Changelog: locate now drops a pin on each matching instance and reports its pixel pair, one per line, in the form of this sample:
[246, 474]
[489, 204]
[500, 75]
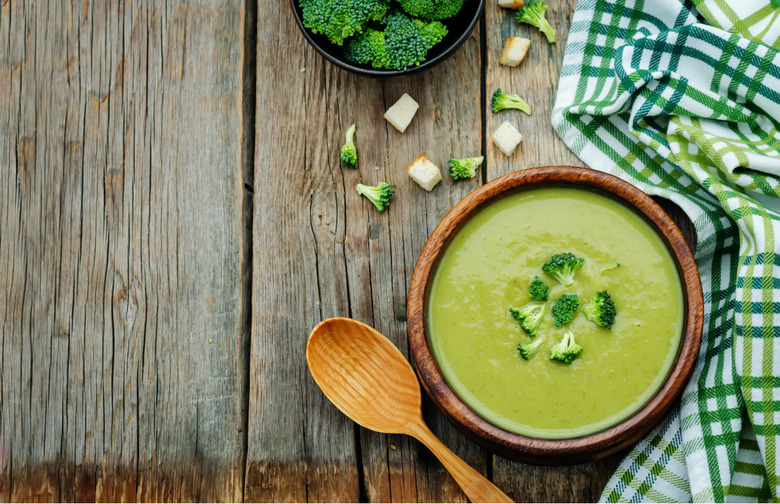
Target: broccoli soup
[487, 269]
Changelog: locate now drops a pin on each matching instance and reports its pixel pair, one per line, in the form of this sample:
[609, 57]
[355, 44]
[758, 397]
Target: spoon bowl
[366, 377]
[363, 375]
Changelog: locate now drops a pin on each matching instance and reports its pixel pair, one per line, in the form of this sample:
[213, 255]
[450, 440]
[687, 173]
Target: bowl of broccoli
[555, 315]
[384, 38]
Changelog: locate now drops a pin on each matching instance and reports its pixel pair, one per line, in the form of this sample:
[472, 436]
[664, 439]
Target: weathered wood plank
[322, 250]
[536, 80]
[302, 448]
[448, 124]
[121, 230]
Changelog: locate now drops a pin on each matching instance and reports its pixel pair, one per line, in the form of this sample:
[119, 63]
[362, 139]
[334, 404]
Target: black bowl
[459, 28]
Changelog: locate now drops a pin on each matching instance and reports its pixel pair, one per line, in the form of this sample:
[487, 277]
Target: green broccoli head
[366, 48]
[601, 310]
[432, 9]
[349, 151]
[528, 350]
[533, 14]
[501, 101]
[465, 168]
[407, 40]
[380, 194]
[530, 316]
[562, 267]
[539, 290]
[564, 308]
[566, 349]
[340, 19]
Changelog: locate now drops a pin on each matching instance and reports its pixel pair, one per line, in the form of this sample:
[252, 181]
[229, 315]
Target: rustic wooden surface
[174, 221]
[124, 356]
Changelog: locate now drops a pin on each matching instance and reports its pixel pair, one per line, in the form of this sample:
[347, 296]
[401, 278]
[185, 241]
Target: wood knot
[126, 304]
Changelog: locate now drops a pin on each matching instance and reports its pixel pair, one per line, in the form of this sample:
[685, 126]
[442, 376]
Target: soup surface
[487, 267]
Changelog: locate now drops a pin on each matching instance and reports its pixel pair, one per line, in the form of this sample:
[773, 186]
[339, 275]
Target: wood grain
[322, 250]
[536, 80]
[301, 447]
[448, 124]
[121, 198]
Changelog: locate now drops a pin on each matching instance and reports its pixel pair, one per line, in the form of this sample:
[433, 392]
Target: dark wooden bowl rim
[555, 451]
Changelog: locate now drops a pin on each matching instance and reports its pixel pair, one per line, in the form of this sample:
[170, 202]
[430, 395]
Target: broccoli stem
[548, 32]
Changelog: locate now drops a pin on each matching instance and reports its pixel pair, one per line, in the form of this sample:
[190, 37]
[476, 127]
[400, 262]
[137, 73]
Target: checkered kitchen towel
[683, 100]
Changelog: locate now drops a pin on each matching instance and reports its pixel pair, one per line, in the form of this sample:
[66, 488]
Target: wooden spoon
[371, 382]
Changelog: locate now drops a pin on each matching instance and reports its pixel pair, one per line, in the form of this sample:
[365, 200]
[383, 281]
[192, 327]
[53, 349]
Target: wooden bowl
[555, 451]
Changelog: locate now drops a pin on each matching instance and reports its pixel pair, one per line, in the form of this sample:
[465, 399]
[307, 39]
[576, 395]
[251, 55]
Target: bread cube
[514, 51]
[511, 4]
[424, 172]
[507, 138]
[402, 112]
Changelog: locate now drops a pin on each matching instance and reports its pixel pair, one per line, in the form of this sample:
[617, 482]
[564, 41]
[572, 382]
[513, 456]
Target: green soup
[487, 268]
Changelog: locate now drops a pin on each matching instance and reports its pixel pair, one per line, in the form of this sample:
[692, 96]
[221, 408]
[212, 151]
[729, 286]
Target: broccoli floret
[564, 308]
[501, 101]
[349, 151]
[407, 40]
[562, 267]
[528, 350]
[339, 19]
[432, 9]
[380, 194]
[404, 42]
[533, 14]
[366, 48]
[529, 316]
[566, 349]
[539, 290]
[465, 168]
[601, 310]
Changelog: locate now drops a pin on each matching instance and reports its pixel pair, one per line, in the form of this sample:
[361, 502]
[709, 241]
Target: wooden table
[174, 220]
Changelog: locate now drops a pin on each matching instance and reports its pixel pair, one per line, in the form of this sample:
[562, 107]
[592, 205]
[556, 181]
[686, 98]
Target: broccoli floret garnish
[501, 101]
[539, 290]
[465, 168]
[566, 349]
[528, 350]
[339, 19]
[380, 194]
[533, 14]
[601, 310]
[349, 151]
[562, 267]
[564, 308]
[529, 316]
[367, 48]
[432, 9]
[404, 42]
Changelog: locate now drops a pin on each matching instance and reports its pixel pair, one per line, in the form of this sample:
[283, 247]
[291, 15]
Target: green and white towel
[682, 99]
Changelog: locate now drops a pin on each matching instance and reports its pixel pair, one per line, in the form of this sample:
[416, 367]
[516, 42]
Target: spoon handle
[476, 487]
